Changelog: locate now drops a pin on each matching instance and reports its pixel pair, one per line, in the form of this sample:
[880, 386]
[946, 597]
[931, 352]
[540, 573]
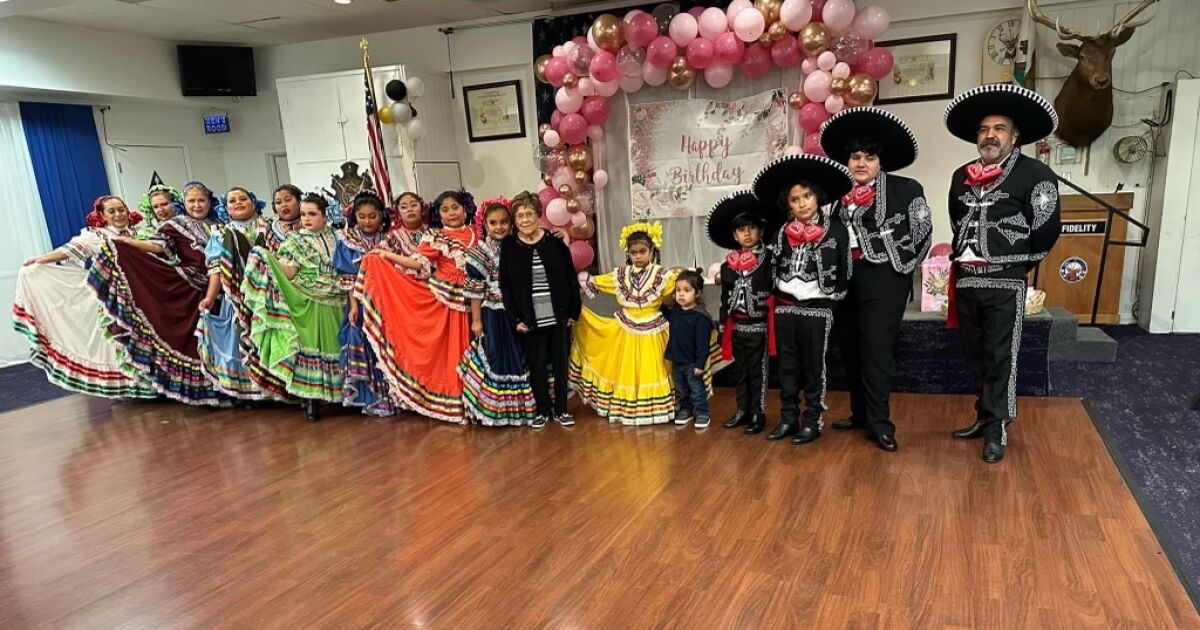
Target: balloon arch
[830, 41]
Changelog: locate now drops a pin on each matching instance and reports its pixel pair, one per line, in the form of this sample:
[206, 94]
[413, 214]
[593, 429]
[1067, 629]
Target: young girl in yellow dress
[616, 363]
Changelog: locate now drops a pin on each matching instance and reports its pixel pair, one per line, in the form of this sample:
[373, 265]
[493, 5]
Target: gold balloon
[860, 89]
[547, 180]
[580, 157]
[765, 39]
[570, 80]
[582, 233]
[573, 206]
[839, 86]
[682, 79]
[814, 39]
[543, 128]
[769, 9]
[607, 33]
[796, 100]
[385, 116]
[777, 31]
[581, 177]
[566, 192]
[539, 68]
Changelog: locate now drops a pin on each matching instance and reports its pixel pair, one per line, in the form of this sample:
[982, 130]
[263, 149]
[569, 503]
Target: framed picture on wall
[924, 69]
[494, 111]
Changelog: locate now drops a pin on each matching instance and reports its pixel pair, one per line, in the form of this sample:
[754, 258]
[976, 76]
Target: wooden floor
[159, 516]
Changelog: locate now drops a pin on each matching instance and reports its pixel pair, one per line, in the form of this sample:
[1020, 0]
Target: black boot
[974, 431]
[993, 452]
[849, 424]
[312, 410]
[783, 430]
[739, 419]
[806, 434]
[757, 424]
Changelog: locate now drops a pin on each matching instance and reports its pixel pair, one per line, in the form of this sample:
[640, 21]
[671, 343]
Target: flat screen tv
[217, 71]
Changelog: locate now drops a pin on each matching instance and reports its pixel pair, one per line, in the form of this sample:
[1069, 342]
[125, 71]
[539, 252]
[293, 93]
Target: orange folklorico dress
[420, 331]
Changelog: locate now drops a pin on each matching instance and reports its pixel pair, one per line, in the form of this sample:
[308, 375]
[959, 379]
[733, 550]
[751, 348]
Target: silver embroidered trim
[827, 315]
[750, 328]
[1044, 200]
[1018, 288]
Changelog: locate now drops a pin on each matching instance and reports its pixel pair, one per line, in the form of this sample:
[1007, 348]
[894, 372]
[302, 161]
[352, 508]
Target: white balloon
[416, 129]
[586, 87]
[632, 84]
[401, 113]
[416, 87]
[607, 89]
[568, 100]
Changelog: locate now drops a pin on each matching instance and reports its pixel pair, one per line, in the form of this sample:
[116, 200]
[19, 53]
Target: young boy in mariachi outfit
[739, 222]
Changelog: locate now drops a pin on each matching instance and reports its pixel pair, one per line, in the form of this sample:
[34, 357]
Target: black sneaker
[682, 417]
[565, 419]
[702, 422]
[538, 422]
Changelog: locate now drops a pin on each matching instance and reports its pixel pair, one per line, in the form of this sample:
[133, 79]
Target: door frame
[113, 152]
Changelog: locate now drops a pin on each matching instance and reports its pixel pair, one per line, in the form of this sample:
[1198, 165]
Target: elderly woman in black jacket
[541, 296]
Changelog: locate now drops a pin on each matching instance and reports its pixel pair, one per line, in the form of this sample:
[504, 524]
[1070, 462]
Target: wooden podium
[1069, 273]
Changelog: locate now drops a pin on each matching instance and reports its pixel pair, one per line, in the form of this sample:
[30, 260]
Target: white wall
[153, 124]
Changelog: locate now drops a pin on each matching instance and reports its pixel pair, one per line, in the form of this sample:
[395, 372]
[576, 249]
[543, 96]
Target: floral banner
[687, 154]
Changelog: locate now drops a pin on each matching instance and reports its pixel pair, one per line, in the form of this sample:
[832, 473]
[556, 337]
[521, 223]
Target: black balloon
[663, 14]
[396, 90]
[414, 110]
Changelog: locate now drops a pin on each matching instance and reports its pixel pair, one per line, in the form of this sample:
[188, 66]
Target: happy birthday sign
[687, 154]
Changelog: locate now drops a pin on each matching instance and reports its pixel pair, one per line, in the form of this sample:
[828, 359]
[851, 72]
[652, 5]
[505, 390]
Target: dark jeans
[547, 347]
[689, 389]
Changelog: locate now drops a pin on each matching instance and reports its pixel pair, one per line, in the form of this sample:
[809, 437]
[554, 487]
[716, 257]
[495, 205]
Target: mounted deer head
[1085, 102]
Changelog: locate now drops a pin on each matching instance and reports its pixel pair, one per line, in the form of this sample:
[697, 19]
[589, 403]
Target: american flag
[379, 170]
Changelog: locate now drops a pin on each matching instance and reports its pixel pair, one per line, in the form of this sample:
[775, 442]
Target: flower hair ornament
[212, 199]
[481, 217]
[95, 217]
[146, 204]
[223, 209]
[464, 198]
[420, 202]
[653, 230]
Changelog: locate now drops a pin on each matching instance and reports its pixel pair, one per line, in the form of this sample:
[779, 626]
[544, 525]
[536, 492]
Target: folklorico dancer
[158, 205]
[1004, 210]
[890, 228]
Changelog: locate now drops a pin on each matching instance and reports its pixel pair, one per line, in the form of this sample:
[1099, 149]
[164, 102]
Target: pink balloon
[582, 255]
[834, 104]
[817, 86]
[604, 66]
[557, 212]
[838, 14]
[578, 219]
[683, 29]
[564, 176]
[849, 46]
[841, 70]
[749, 25]
[629, 16]
[795, 14]
[793, 149]
[818, 7]
[642, 30]
[545, 223]
[729, 49]
[591, 42]
[877, 63]
[558, 51]
[812, 116]
[555, 119]
[713, 270]
[826, 61]
[872, 21]
[547, 195]
[941, 249]
[632, 84]
[700, 53]
[573, 129]
[786, 52]
[595, 110]
[695, 12]
[580, 59]
[600, 178]
[552, 139]
[661, 52]
[653, 75]
[712, 22]
[608, 88]
[808, 66]
[718, 75]
[756, 63]
[568, 100]
[595, 133]
[734, 8]
[556, 68]
[812, 144]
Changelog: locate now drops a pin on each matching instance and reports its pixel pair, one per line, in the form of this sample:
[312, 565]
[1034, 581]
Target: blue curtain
[65, 150]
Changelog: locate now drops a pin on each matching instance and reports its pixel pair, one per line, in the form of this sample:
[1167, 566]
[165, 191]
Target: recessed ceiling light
[342, 1]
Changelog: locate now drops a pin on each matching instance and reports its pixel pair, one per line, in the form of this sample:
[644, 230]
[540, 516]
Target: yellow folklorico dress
[617, 363]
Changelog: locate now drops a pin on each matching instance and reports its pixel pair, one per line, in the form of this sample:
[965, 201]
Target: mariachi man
[1004, 210]
[890, 228]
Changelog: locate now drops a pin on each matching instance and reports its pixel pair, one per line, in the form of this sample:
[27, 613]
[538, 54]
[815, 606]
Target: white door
[310, 109]
[136, 165]
[278, 169]
[1187, 292]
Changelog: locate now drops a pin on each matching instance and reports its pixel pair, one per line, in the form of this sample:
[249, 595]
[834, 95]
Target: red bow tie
[861, 196]
[980, 175]
[741, 261]
[798, 233]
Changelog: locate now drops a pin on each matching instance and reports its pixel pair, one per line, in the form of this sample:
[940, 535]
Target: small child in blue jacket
[688, 349]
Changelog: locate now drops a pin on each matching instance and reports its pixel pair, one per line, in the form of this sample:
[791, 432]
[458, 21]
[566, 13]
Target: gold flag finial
[362, 43]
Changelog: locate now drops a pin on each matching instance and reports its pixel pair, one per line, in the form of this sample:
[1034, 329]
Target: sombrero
[785, 172]
[1033, 115]
[730, 207]
[897, 144]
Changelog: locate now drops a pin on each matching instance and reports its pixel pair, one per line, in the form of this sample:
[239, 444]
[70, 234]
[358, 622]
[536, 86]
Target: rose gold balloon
[581, 177]
[814, 39]
[682, 77]
[547, 180]
[539, 68]
[777, 31]
[839, 86]
[796, 100]
[566, 192]
[570, 80]
[573, 206]
[769, 9]
[860, 88]
[607, 33]
[580, 157]
[543, 128]
[582, 233]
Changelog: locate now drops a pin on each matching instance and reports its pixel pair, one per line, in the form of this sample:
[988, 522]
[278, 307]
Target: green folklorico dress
[295, 322]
